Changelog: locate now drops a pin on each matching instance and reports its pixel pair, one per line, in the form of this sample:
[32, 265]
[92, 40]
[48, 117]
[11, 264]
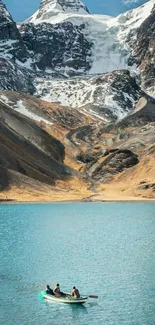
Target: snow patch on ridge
[21, 108]
[6, 47]
[98, 95]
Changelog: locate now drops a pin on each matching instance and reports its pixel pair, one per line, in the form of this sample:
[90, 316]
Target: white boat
[66, 298]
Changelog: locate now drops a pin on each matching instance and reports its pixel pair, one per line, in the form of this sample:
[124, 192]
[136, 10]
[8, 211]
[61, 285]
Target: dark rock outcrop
[83, 133]
[60, 47]
[15, 77]
[101, 170]
[144, 113]
[87, 157]
[147, 187]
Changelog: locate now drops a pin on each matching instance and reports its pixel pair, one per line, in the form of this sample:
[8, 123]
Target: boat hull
[65, 300]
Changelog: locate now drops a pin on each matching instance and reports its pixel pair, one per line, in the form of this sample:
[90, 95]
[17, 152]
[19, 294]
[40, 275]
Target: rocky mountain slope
[98, 68]
[14, 57]
[100, 159]
[11, 44]
[108, 96]
[143, 50]
[29, 150]
[60, 48]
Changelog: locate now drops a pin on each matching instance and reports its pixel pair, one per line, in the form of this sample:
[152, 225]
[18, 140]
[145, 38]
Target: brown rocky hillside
[50, 152]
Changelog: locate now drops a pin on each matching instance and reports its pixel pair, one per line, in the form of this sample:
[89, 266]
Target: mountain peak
[50, 9]
[64, 5]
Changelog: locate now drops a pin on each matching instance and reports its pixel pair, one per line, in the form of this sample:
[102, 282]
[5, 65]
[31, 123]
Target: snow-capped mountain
[62, 37]
[63, 40]
[50, 8]
[64, 5]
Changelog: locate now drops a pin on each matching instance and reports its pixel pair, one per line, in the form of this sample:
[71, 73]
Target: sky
[22, 9]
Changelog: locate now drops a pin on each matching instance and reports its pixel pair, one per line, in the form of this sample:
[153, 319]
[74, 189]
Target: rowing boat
[66, 298]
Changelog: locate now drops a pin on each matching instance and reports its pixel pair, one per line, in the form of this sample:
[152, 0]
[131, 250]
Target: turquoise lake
[106, 249]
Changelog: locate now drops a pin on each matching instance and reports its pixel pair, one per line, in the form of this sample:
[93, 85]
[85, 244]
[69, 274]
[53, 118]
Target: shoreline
[85, 200]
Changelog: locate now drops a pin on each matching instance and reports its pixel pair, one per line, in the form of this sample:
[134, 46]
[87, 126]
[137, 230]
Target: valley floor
[110, 193]
[134, 184]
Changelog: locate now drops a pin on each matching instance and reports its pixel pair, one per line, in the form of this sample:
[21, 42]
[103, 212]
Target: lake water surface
[106, 249]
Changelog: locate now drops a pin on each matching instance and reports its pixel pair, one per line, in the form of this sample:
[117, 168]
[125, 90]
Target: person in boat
[49, 291]
[56, 290]
[75, 293]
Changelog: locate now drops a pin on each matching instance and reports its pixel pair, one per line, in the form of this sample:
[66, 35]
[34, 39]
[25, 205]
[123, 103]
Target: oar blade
[93, 296]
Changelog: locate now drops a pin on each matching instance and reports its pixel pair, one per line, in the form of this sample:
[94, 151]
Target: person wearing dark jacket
[49, 291]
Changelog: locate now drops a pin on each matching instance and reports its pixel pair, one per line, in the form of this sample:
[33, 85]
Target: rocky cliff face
[15, 77]
[144, 51]
[11, 44]
[14, 58]
[61, 48]
[109, 96]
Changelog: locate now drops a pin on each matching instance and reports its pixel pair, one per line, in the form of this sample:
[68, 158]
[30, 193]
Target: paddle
[92, 296]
